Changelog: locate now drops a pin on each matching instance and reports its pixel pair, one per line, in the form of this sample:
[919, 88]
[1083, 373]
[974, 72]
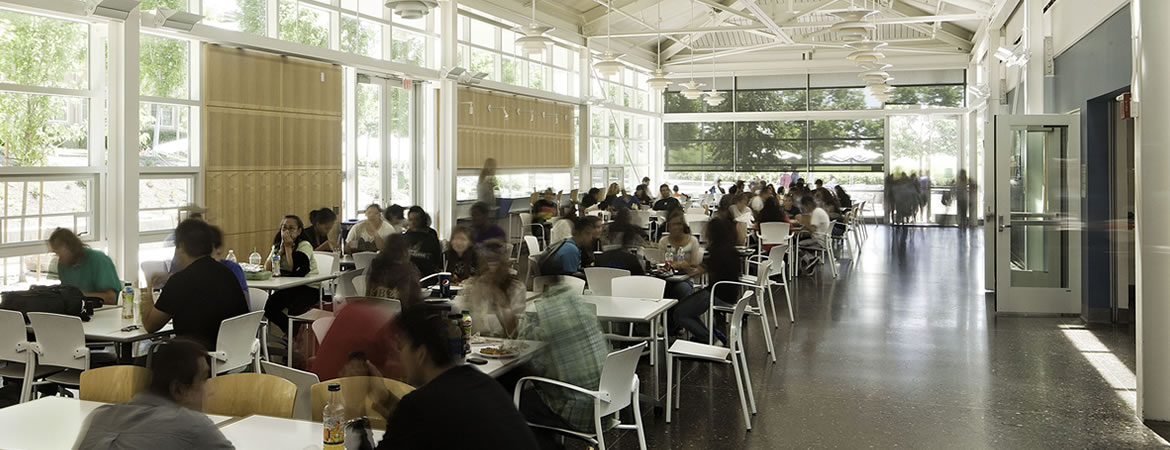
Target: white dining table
[105, 325]
[264, 433]
[50, 423]
[499, 366]
[274, 284]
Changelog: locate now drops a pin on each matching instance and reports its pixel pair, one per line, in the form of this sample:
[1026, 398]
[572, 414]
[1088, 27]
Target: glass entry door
[1037, 203]
[383, 149]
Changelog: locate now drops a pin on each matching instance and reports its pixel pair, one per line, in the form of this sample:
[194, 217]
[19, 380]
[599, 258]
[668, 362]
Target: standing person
[322, 233]
[460, 258]
[495, 297]
[167, 415]
[666, 202]
[483, 226]
[392, 275]
[422, 418]
[88, 270]
[722, 264]
[370, 234]
[296, 260]
[485, 188]
[198, 297]
[425, 250]
[963, 198]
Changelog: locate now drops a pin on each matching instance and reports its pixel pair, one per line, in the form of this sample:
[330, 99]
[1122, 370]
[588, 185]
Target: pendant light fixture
[714, 97]
[866, 52]
[534, 42]
[412, 9]
[692, 90]
[658, 80]
[609, 65]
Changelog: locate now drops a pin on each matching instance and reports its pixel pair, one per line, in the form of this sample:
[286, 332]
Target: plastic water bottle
[127, 301]
[333, 419]
[231, 256]
[255, 259]
[275, 262]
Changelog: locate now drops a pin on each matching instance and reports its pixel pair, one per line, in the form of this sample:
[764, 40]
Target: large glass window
[489, 48]
[840, 145]
[249, 16]
[383, 153]
[303, 24]
[159, 202]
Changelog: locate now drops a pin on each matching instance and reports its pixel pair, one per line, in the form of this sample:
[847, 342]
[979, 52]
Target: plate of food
[497, 352]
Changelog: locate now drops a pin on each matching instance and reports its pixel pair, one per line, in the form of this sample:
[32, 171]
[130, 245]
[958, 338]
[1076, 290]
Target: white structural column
[1151, 53]
[121, 217]
[448, 119]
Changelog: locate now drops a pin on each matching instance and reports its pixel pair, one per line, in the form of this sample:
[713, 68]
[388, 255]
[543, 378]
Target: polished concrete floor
[904, 350]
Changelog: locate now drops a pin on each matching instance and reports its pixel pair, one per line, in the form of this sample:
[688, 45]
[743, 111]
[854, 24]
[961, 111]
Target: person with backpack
[86, 269]
[566, 257]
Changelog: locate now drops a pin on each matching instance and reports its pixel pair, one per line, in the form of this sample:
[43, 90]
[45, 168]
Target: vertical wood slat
[526, 139]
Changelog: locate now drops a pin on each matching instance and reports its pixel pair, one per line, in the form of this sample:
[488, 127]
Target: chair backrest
[654, 255]
[246, 394]
[321, 326]
[114, 384]
[355, 396]
[303, 406]
[540, 283]
[525, 223]
[776, 257]
[236, 340]
[362, 260]
[699, 228]
[257, 298]
[327, 263]
[690, 218]
[533, 244]
[347, 286]
[12, 335]
[774, 232]
[642, 218]
[639, 286]
[599, 279]
[618, 378]
[737, 317]
[762, 272]
[61, 340]
[152, 267]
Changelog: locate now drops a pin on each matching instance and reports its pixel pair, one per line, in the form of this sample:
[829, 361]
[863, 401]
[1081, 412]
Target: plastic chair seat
[69, 377]
[16, 370]
[696, 350]
[313, 314]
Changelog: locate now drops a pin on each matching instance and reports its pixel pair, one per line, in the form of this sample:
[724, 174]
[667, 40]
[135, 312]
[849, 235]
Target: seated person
[612, 201]
[575, 353]
[296, 260]
[562, 228]
[682, 250]
[495, 296]
[396, 215]
[322, 233]
[421, 418]
[217, 254]
[88, 270]
[460, 258]
[392, 275]
[200, 296]
[666, 201]
[590, 200]
[623, 237]
[365, 330]
[425, 249]
[483, 227]
[722, 264]
[369, 235]
[642, 196]
[567, 259]
[167, 415]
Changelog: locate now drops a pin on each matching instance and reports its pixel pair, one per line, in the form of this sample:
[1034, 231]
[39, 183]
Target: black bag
[57, 299]
[544, 258]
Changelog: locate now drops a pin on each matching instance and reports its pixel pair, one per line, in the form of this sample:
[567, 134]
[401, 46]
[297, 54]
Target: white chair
[346, 288]
[257, 298]
[776, 255]
[696, 211]
[540, 283]
[362, 260]
[303, 406]
[599, 279]
[14, 349]
[359, 284]
[637, 286]
[617, 389]
[321, 327]
[236, 345]
[327, 264]
[821, 246]
[699, 228]
[654, 255]
[533, 245]
[60, 345]
[762, 284]
[683, 349]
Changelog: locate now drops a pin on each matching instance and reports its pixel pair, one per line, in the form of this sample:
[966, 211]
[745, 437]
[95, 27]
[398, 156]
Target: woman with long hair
[322, 232]
[495, 297]
[722, 264]
[296, 260]
[392, 275]
[460, 258]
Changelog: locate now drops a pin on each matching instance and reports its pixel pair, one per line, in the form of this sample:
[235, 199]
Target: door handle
[1003, 226]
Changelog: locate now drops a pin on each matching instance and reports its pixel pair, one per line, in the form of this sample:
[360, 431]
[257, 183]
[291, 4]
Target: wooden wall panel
[242, 139]
[311, 87]
[311, 142]
[239, 78]
[535, 133]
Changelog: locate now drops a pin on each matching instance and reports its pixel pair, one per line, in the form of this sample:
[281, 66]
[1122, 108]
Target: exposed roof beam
[727, 9]
[947, 32]
[721, 17]
[664, 33]
[834, 64]
[767, 20]
[598, 13]
[973, 5]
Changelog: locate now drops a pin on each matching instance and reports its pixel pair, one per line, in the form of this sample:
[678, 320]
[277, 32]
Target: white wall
[1073, 19]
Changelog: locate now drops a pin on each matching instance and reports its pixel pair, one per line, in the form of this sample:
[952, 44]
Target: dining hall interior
[365, 224]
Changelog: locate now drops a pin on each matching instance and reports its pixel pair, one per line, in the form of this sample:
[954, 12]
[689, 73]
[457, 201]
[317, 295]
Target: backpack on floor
[58, 299]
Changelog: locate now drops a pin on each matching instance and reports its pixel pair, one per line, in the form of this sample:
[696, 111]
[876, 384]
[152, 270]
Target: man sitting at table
[88, 270]
[576, 252]
[450, 398]
[167, 414]
[201, 295]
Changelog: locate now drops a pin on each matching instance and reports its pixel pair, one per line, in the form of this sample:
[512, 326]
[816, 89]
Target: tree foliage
[301, 25]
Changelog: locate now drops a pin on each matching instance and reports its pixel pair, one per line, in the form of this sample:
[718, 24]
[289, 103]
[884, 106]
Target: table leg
[653, 342]
[289, 343]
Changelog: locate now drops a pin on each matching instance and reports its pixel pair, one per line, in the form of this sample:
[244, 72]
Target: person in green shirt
[82, 267]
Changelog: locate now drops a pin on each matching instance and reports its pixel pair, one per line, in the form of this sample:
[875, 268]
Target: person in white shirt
[369, 235]
[814, 220]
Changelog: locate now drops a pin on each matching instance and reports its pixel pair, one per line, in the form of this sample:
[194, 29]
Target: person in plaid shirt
[575, 352]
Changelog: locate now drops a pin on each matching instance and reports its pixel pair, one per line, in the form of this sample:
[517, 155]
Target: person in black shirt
[667, 201]
[642, 195]
[449, 397]
[425, 250]
[722, 264]
[591, 198]
[461, 257]
[621, 257]
[200, 296]
[321, 233]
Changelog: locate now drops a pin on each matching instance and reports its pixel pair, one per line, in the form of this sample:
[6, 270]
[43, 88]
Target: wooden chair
[245, 394]
[114, 384]
[354, 391]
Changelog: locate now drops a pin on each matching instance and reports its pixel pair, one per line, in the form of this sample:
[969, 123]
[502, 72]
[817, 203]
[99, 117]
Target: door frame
[1037, 300]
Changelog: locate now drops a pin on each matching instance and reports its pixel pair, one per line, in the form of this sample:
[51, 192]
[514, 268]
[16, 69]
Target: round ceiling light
[609, 65]
[691, 90]
[412, 9]
[534, 42]
[851, 27]
[878, 88]
[714, 98]
[658, 80]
